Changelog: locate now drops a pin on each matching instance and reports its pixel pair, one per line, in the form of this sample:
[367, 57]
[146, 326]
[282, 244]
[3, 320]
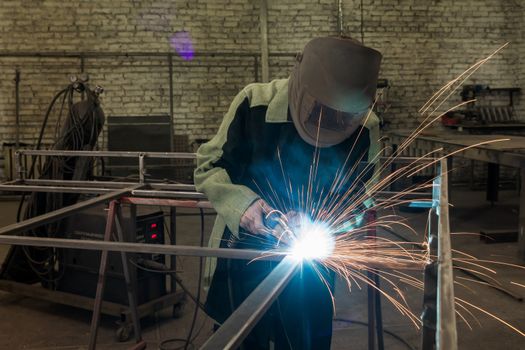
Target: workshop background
[424, 43]
[187, 59]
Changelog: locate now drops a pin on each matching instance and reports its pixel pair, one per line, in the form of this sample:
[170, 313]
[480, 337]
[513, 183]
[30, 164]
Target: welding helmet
[331, 89]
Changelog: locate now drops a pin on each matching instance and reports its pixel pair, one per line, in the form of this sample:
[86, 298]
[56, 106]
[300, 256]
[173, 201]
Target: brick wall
[425, 44]
[203, 87]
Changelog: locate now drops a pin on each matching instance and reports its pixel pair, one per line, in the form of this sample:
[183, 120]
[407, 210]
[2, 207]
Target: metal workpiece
[101, 184]
[94, 190]
[168, 194]
[63, 212]
[180, 203]
[54, 189]
[181, 250]
[158, 190]
[142, 170]
[446, 330]
[116, 154]
[232, 332]
[439, 312]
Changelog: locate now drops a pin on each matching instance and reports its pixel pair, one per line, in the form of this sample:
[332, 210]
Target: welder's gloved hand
[253, 218]
[284, 231]
[294, 219]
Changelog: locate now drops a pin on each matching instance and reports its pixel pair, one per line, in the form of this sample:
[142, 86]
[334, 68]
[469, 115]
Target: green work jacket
[257, 153]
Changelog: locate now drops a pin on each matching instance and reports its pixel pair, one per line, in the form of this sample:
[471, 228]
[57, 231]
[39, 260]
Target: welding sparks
[331, 232]
[313, 241]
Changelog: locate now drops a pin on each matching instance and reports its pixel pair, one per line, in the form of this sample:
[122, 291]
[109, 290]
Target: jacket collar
[277, 111]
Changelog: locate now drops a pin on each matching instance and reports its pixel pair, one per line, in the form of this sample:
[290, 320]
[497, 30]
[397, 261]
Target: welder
[269, 134]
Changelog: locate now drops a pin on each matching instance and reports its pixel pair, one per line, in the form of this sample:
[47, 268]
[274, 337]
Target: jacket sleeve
[220, 163]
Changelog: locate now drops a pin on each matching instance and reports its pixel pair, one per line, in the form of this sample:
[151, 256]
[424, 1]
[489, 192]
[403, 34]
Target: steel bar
[245, 254]
[131, 283]
[64, 189]
[168, 194]
[19, 167]
[59, 189]
[507, 157]
[142, 170]
[87, 183]
[232, 332]
[161, 189]
[174, 155]
[101, 184]
[101, 283]
[429, 315]
[181, 250]
[446, 331]
[62, 212]
[167, 202]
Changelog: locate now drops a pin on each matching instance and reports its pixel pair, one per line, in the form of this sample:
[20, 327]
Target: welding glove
[284, 231]
[252, 220]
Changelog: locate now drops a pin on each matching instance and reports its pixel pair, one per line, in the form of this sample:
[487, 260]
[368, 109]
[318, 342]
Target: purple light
[181, 43]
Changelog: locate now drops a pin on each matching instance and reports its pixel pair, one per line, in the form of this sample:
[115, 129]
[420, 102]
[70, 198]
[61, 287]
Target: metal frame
[514, 158]
[235, 329]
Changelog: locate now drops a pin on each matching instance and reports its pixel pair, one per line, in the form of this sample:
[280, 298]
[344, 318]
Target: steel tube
[59, 189]
[446, 330]
[167, 202]
[102, 184]
[243, 254]
[101, 282]
[18, 166]
[168, 194]
[181, 250]
[231, 334]
[142, 170]
[174, 155]
[87, 183]
[61, 213]
[144, 193]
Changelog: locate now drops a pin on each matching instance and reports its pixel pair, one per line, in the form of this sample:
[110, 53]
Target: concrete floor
[33, 324]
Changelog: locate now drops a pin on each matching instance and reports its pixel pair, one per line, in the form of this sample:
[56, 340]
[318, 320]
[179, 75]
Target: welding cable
[386, 331]
[38, 144]
[189, 341]
[70, 138]
[155, 267]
